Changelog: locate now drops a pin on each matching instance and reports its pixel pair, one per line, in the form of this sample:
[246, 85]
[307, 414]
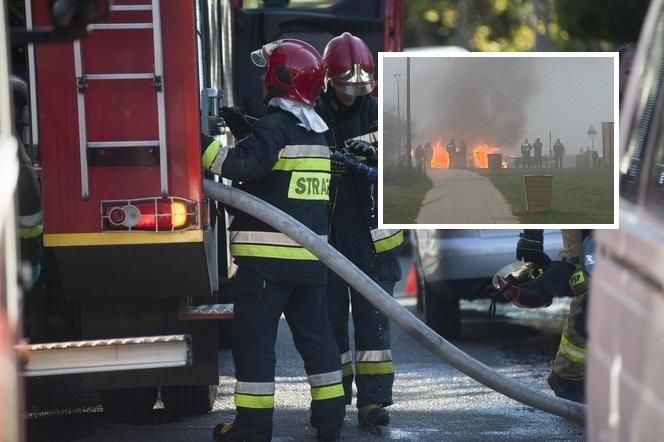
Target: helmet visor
[260, 56]
[356, 82]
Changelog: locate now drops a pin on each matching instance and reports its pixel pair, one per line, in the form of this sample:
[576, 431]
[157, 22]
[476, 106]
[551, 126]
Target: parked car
[624, 389]
[458, 264]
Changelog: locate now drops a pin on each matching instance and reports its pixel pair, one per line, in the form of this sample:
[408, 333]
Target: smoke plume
[479, 100]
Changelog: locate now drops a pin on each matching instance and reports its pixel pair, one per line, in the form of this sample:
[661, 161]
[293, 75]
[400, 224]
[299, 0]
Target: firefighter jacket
[288, 167]
[354, 208]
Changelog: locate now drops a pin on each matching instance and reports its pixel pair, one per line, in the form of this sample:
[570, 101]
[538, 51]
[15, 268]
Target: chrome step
[102, 355]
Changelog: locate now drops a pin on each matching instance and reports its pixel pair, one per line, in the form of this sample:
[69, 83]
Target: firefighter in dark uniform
[30, 218]
[285, 161]
[568, 373]
[537, 149]
[352, 114]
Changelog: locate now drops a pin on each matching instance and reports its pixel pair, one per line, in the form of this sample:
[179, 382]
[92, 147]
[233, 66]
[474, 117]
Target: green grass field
[403, 194]
[580, 196]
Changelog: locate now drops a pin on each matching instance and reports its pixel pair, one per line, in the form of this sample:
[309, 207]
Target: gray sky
[501, 101]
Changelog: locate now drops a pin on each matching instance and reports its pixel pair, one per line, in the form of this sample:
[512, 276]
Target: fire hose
[387, 305]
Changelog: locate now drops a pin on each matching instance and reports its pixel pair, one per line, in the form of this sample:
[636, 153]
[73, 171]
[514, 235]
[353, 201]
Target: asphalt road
[433, 402]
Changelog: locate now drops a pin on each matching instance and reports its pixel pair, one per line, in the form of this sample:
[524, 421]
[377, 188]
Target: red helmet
[294, 70]
[349, 65]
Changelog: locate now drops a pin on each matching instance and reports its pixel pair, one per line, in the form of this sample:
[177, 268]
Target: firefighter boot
[372, 415]
[567, 388]
[328, 435]
[232, 433]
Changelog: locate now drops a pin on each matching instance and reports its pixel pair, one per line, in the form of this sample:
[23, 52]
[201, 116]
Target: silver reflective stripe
[373, 356]
[369, 136]
[218, 162]
[346, 357]
[378, 234]
[254, 387]
[305, 151]
[321, 379]
[31, 220]
[271, 238]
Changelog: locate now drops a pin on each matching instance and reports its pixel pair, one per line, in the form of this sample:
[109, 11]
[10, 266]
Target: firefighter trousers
[374, 367]
[571, 356]
[258, 308]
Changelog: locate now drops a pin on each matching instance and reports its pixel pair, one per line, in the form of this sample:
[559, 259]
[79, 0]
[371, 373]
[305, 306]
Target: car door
[626, 329]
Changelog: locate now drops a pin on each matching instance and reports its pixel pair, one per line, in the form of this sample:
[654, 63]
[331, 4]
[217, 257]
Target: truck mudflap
[106, 355]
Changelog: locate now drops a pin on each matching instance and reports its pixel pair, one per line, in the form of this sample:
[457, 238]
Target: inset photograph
[498, 139]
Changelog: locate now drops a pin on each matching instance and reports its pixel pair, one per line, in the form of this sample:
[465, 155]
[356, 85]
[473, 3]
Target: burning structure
[478, 158]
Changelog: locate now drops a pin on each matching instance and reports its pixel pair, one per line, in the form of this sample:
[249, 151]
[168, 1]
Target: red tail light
[149, 214]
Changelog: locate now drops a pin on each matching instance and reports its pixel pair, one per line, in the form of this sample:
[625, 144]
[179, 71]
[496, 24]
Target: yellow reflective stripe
[577, 278]
[375, 367]
[347, 369]
[309, 186]
[572, 352]
[277, 252]
[251, 401]
[389, 243]
[31, 232]
[125, 238]
[327, 392]
[210, 154]
[314, 164]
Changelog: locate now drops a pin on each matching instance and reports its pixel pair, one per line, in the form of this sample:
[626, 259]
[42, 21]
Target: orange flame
[480, 155]
[440, 159]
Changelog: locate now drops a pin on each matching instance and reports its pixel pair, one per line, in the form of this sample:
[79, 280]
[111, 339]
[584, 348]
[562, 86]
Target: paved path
[463, 197]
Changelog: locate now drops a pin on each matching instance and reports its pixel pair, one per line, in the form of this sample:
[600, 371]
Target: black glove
[338, 163]
[364, 148]
[530, 248]
[347, 163]
[236, 120]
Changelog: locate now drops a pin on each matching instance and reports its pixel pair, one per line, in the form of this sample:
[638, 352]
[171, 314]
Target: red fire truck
[136, 258]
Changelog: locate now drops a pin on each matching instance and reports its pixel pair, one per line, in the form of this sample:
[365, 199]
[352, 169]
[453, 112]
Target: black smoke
[479, 100]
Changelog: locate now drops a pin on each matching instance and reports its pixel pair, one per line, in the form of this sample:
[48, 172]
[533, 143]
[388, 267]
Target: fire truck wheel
[129, 402]
[187, 400]
[441, 314]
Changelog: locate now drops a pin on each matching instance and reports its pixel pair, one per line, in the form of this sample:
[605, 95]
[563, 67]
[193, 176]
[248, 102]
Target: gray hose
[389, 306]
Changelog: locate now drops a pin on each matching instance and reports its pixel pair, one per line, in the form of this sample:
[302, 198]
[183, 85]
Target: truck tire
[442, 315]
[188, 400]
[129, 402]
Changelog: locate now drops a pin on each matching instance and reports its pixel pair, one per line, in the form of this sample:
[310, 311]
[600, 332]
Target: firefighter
[420, 158]
[428, 154]
[525, 152]
[568, 373]
[558, 153]
[537, 149]
[29, 194]
[285, 161]
[352, 114]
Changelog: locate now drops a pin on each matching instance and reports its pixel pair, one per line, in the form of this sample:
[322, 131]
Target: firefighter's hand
[236, 120]
[338, 163]
[364, 148]
[530, 248]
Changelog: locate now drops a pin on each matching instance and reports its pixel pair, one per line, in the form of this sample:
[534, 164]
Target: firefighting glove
[353, 166]
[363, 148]
[236, 120]
[530, 248]
[338, 163]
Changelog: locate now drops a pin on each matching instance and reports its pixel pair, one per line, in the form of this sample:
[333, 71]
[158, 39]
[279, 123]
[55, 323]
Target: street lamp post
[397, 77]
